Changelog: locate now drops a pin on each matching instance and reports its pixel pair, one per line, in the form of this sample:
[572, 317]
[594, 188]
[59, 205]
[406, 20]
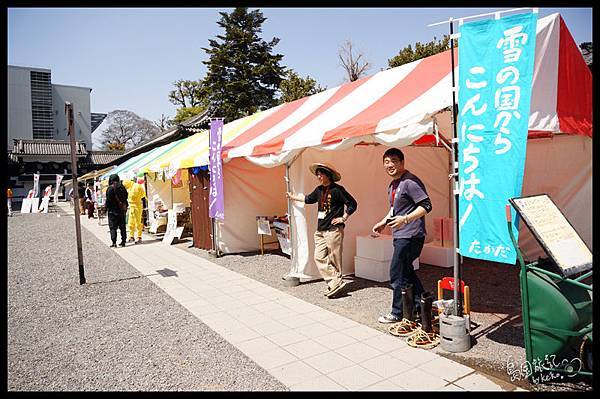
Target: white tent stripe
[230, 131]
[348, 107]
[420, 109]
[543, 110]
[311, 105]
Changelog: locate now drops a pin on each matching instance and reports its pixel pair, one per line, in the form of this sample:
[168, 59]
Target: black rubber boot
[426, 303]
[408, 305]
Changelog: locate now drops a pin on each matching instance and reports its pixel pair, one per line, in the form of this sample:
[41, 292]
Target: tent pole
[289, 211]
[455, 199]
[450, 186]
[290, 208]
[486, 14]
[171, 185]
[442, 140]
[214, 237]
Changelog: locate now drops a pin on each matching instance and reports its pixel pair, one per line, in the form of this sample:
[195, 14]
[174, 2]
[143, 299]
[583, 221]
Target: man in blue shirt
[409, 203]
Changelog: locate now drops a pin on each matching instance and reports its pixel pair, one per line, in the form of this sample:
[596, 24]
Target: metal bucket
[454, 333]
[291, 281]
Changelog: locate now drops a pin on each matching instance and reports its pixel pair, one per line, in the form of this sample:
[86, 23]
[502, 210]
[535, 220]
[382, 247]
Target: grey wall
[80, 98]
[19, 103]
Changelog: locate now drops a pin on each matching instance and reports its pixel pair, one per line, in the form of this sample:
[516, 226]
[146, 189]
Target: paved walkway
[302, 345]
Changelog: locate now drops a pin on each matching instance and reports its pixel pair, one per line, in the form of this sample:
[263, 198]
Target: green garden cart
[557, 304]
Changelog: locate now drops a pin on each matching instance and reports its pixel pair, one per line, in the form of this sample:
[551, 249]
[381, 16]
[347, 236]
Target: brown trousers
[328, 254]
[82, 206]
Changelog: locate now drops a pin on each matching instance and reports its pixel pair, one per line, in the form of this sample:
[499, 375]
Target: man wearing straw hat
[329, 237]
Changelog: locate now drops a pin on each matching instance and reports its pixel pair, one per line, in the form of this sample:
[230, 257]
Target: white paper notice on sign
[44, 205]
[171, 231]
[35, 203]
[26, 205]
[285, 245]
[173, 235]
[178, 232]
[264, 227]
[554, 232]
[153, 226]
[282, 231]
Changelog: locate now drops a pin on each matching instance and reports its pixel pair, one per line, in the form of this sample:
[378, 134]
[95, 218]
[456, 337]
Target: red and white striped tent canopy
[399, 106]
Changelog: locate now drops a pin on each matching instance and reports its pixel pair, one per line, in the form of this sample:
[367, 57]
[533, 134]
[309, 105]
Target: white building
[36, 107]
[37, 138]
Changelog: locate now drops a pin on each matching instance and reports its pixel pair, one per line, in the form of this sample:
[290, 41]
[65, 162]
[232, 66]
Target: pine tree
[294, 87]
[243, 75]
[407, 54]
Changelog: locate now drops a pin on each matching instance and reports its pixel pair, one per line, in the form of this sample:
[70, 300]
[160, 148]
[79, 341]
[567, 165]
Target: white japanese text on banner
[216, 208]
[495, 75]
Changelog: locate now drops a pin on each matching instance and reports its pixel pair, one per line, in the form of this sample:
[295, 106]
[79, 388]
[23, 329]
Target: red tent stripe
[574, 103]
[265, 124]
[276, 143]
[425, 75]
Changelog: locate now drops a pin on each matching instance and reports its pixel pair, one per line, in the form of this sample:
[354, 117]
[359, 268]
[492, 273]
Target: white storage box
[377, 248]
[375, 270]
[370, 269]
[436, 255]
[179, 207]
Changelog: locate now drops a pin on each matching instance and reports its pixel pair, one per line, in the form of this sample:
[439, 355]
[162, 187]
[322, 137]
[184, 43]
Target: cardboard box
[436, 255]
[448, 232]
[377, 248]
[438, 230]
[375, 270]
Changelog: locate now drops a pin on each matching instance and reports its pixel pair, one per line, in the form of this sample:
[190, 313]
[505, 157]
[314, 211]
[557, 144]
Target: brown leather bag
[122, 205]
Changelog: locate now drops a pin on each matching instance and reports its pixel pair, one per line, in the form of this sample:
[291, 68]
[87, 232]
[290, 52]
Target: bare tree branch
[353, 65]
[126, 129]
[162, 123]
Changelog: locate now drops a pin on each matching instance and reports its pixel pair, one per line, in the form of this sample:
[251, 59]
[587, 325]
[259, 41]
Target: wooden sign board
[554, 233]
[264, 226]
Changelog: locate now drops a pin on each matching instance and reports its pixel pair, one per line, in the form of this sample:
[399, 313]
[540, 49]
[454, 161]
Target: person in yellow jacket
[9, 197]
[135, 191]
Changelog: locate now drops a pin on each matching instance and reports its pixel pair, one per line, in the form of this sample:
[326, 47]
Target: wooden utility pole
[71, 133]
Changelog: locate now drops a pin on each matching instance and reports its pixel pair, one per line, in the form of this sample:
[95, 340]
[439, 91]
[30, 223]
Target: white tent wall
[163, 190]
[560, 166]
[365, 179]
[249, 191]
[159, 188]
[181, 194]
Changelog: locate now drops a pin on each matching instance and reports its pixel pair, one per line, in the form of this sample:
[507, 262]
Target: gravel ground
[497, 330]
[118, 332]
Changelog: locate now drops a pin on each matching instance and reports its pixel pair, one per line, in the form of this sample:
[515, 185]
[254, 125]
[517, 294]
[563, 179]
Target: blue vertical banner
[216, 204]
[495, 75]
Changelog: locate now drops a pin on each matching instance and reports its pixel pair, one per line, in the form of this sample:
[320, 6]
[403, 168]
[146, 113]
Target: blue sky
[131, 56]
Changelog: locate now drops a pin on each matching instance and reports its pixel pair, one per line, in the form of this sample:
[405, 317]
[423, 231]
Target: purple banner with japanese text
[495, 75]
[216, 204]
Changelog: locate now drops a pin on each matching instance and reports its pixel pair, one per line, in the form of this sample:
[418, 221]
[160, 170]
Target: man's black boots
[408, 305]
[426, 303]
